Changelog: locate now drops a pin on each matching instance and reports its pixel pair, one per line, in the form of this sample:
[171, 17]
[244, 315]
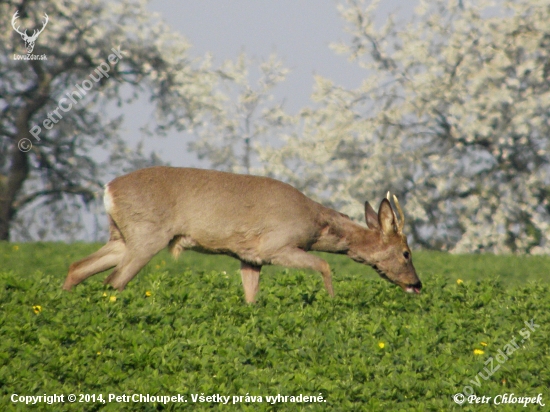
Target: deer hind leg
[297, 258]
[250, 274]
[137, 255]
[126, 270]
[105, 258]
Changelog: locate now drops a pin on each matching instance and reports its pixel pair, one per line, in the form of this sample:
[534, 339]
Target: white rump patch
[108, 200]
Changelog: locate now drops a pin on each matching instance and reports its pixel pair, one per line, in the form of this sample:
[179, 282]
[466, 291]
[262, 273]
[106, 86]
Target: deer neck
[344, 236]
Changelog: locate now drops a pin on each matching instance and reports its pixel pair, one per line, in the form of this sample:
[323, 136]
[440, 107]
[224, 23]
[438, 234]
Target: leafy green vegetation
[183, 328]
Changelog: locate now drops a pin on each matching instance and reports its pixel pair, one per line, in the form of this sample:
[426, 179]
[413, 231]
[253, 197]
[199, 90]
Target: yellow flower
[157, 266]
[104, 294]
[112, 299]
[99, 353]
[148, 294]
[478, 352]
[381, 345]
[483, 343]
[459, 281]
[37, 309]
[15, 248]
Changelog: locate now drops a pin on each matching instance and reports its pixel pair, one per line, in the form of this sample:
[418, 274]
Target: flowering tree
[56, 122]
[246, 119]
[453, 116]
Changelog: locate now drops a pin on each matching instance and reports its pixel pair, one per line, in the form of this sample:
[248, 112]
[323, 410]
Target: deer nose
[417, 285]
[416, 288]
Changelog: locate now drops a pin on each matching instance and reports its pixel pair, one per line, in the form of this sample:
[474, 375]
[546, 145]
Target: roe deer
[258, 220]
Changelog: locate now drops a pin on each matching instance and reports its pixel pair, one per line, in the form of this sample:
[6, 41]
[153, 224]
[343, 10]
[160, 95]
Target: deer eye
[406, 255]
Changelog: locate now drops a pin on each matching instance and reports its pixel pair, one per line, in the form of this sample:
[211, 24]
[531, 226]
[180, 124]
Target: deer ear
[386, 217]
[371, 217]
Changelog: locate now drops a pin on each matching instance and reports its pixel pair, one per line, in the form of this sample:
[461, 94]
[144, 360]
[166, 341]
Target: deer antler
[401, 223]
[401, 215]
[25, 35]
[37, 32]
[14, 18]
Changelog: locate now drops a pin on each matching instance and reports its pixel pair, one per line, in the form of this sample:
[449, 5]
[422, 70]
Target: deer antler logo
[29, 41]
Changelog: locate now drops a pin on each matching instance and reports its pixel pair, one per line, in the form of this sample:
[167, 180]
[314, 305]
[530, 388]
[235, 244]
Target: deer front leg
[250, 275]
[297, 258]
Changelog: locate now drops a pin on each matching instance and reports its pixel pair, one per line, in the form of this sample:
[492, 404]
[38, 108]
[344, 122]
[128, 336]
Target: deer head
[29, 41]
[392, 259]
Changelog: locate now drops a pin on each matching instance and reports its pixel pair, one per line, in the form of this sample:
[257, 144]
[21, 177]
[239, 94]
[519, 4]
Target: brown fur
[258, 220]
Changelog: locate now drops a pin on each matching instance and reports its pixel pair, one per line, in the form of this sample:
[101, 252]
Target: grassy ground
[181, 328]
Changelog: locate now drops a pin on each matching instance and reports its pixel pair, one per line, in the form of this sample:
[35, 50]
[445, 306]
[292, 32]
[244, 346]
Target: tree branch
[73, 190]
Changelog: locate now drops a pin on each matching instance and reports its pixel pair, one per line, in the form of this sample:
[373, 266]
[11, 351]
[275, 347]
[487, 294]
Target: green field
[182, 328]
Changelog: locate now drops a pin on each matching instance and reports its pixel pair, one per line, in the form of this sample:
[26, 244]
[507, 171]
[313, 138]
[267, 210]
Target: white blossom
[453, 116]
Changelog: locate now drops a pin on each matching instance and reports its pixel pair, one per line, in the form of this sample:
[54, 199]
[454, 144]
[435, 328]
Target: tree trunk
[19, 160]
[18, 173]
